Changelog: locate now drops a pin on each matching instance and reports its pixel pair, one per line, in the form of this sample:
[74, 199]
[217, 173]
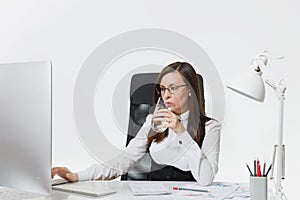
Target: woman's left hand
[173, 121]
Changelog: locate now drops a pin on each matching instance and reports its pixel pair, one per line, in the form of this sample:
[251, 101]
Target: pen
[189, 189]
[258, 168]
[264, 169]
[268, 170]
[254, 167]
[249, 169]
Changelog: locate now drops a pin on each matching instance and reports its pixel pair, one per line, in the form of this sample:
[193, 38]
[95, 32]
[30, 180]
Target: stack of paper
[146, 189]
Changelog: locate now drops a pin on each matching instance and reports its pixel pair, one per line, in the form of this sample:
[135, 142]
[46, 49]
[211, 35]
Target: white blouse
[179, 151]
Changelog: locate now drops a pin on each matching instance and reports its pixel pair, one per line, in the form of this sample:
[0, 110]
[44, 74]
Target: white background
[231, 32]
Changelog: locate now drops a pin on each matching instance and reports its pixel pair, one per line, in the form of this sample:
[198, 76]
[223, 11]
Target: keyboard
[90, 188]
[13, 194]
[58, 182]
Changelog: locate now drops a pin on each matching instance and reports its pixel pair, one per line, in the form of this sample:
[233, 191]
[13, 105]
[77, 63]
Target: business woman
[188, 150]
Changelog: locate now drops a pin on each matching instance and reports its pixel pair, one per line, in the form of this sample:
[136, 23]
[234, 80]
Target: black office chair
[141, 104]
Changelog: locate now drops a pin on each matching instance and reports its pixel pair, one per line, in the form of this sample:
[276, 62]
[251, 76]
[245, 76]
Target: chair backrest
[141, 104]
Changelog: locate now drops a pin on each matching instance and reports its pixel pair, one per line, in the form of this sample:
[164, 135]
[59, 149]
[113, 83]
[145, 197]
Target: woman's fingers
[54, 171]
[73, 177]
[64, 173]
[167, 116]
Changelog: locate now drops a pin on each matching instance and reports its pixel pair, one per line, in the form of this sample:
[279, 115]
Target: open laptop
[25, 129]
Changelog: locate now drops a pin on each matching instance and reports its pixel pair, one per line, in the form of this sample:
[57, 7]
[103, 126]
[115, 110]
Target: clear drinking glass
[159, 126]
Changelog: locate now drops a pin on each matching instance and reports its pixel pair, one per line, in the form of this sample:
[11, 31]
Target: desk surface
[124, 192]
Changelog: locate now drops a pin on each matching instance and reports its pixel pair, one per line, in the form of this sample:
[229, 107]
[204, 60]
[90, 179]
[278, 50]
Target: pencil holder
[258, 188]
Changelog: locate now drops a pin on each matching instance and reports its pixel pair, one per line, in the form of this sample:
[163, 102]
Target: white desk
[123, 192]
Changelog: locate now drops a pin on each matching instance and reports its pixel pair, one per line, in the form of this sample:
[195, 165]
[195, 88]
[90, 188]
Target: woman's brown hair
[197, 117]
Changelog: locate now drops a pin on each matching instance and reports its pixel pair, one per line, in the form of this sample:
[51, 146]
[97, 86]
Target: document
[242, 193]
[148, 189]
[216, 191]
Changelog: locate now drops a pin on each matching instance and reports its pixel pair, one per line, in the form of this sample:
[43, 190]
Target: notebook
[90, 188]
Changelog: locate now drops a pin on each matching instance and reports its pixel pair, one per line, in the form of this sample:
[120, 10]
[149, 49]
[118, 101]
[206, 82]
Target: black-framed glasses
[172, 89]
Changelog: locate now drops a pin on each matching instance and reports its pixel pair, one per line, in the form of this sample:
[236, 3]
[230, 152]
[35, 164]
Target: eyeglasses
[172, 90]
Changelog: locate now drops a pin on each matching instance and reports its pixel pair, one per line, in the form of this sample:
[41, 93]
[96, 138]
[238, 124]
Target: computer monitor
[26, 126]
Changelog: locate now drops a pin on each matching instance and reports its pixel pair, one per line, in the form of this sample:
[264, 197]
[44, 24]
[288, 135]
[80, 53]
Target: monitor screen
[26, 126]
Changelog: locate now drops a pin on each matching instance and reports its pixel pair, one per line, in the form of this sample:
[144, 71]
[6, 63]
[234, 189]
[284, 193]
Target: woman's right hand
[64, 173]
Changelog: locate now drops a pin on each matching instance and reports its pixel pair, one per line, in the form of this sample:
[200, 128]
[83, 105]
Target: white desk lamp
[252, 86]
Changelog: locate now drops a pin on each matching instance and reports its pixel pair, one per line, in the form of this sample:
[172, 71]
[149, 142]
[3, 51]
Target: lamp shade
[250, 85]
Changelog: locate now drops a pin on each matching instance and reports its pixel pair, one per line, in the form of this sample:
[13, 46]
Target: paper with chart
[217, 191]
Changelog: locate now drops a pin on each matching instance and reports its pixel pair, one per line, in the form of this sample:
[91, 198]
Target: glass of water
[159, 126]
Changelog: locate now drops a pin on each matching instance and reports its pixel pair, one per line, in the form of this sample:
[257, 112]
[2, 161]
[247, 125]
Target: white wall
[231, 32]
